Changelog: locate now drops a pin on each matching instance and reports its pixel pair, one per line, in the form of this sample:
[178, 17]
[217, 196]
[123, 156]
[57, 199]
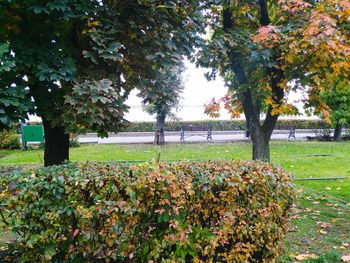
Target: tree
[80, 59]
[163, 95]
[264, 49]
[336, 101]
[47, 41]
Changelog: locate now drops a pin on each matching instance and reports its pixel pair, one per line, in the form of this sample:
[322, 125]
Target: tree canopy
[162, 96]
[265, 49]
[78, 60]
[164, 93]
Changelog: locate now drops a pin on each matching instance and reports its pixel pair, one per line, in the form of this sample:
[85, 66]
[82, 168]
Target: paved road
[190, 137]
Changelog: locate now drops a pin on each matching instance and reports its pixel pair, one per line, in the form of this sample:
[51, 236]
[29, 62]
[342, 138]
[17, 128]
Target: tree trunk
[337, 132]
[260, 134]
[261, 143]
[56, 144]
[159, 138]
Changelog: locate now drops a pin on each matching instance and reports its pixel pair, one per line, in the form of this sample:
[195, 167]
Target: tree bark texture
[337, 132]
[261, 143]
[56, 144]
[159, 138]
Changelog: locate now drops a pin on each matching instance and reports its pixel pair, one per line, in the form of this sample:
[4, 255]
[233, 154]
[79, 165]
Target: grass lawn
[321, 217]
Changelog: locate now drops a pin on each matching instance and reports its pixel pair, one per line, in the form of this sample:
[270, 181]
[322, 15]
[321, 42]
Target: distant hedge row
[149, 212]
[220, 125]
[227, 125]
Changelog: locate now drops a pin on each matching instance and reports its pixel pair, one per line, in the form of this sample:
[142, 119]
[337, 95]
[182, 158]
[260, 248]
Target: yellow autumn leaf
[322, 232]
[289, 58]
[344, 245]
[302, 257]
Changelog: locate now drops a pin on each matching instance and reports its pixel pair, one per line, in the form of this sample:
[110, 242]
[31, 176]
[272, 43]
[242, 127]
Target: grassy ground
[294, 156]
[320, 224]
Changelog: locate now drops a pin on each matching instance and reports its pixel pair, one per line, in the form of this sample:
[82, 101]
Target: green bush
[9, 140]
[177, 212]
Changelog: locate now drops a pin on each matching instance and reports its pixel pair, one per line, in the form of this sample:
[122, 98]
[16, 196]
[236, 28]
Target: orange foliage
[267, 36]
[294, 6]
[319, 46]
[305, 42]
[212, 109]
[232, 105]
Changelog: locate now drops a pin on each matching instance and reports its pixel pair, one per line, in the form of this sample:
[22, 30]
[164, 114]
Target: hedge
[220, 125]
[151, 212]
[225, 125]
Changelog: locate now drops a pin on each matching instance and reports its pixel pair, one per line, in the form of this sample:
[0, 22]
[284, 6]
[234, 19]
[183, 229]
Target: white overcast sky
[198, 91]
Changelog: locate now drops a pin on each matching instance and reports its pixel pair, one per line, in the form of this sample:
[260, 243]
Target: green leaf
[166, 217]
[49, 251]
[160, 219]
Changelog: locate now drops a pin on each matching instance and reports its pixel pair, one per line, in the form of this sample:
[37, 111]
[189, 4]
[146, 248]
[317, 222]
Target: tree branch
[248, 103]
[276, 75]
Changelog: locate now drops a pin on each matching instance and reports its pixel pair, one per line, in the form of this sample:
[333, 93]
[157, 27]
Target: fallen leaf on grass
[293, 229]
[302, 257]
[323, 232]
[300, 190]
[323, 225]
[344, 245]
[296, 210]
[332, 205]
[291, 256]
[345, 258]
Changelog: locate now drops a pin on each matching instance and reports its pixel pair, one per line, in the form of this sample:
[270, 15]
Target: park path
[190, 137]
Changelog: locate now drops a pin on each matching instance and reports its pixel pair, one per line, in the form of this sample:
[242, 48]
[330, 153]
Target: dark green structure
[32, 133]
